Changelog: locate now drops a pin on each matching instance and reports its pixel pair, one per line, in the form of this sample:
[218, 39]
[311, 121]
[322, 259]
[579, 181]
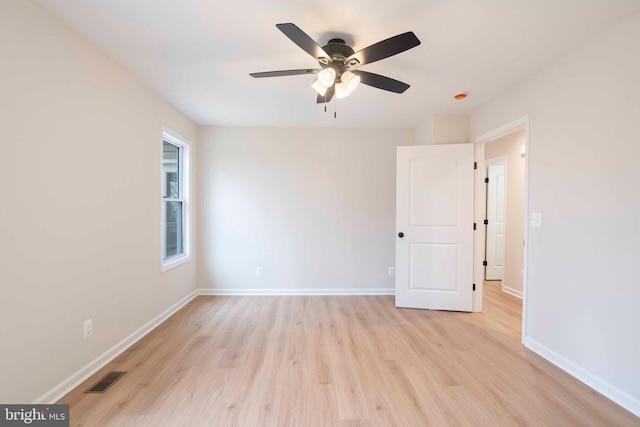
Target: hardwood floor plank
[339, 361]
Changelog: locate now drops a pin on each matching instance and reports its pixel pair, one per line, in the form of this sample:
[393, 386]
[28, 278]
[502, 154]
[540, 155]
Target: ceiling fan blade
[321, 99]
[283, 73]
[305, 42]
[381, 82]
[385, 48]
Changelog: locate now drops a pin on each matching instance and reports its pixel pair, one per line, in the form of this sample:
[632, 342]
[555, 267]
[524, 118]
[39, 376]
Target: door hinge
[475, 165]
[486, 180]
[486, 222]
[484, 263]
[474, 226]
[474, 286]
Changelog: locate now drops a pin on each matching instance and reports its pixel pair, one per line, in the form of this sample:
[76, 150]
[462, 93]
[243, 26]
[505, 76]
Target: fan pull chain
[335, 115]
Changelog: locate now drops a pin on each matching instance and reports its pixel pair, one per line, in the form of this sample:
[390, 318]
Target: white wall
[443, 129]
[450, 128]
[584, 263]
[314, 207]
[423, 133]
[80, 204]
[510, 146]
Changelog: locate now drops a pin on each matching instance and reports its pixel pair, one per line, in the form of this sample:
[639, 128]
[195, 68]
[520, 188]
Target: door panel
[434, 211]
[433, 267]
[433, 206]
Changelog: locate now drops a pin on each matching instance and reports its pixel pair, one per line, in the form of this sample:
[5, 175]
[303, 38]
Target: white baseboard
[620, 397]
[254, 292]
[511, 291]
[57, 392]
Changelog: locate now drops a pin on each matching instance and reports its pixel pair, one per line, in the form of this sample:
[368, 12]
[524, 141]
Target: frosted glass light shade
[350, 80]
[342, 91]
[327, 77]
[317, 86]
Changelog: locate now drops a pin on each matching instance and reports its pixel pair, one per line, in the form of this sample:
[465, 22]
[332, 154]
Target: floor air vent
[106, 382]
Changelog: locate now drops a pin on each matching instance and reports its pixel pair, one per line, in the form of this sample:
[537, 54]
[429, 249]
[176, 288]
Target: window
[175, 195]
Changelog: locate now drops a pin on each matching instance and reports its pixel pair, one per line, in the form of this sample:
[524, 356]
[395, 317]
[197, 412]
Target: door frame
[480, 209]
[488, 162]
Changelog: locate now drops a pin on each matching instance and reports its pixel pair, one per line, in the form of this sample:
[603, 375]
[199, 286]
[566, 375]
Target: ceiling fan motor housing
[338, 51]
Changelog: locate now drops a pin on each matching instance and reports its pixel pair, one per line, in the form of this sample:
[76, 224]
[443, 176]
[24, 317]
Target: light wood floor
[339, 361]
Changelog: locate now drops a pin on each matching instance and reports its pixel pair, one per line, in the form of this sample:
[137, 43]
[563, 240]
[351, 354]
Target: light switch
[536, 219]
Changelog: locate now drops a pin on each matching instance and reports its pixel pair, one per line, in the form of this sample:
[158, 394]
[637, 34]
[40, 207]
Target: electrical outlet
[258, 271]
[87, 328]
[392, 271]
[536, 219]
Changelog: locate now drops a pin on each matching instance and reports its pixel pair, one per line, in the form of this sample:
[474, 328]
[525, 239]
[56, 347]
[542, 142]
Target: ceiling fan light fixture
[327, 77]
[317, 86]
[342, 91]
[350, 80]
[336, 57]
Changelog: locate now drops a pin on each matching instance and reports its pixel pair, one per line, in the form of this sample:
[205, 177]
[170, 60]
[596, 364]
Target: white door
[434, 226]
[495, 217]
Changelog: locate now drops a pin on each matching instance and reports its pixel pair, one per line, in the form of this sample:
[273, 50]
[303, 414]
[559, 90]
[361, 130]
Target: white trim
[603, 387]
[173, 262]
[479, 238]
[263, 292]
[521, 123]
[495, 160]
[504, 130]
[516, 293]
[185, 186]
[77, 378]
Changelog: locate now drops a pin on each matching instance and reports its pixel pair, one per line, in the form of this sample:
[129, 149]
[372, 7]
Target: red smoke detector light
[460, 95]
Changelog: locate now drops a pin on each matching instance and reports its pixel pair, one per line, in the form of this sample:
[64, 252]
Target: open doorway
[504, 213]
[501, 207]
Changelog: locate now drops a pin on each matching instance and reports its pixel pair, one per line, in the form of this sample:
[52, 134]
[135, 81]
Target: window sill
[172, 263]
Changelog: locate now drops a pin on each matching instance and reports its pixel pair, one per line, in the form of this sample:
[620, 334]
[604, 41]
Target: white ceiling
[198, 53]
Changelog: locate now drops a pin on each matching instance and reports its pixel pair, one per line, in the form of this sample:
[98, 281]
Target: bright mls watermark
[34, 415]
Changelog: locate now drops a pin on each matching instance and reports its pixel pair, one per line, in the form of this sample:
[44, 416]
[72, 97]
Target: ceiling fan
[336, 75]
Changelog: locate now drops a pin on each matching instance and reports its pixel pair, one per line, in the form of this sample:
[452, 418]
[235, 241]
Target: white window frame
[184, 159]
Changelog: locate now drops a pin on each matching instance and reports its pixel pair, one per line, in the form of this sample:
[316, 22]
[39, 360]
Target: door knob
[401, 234]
